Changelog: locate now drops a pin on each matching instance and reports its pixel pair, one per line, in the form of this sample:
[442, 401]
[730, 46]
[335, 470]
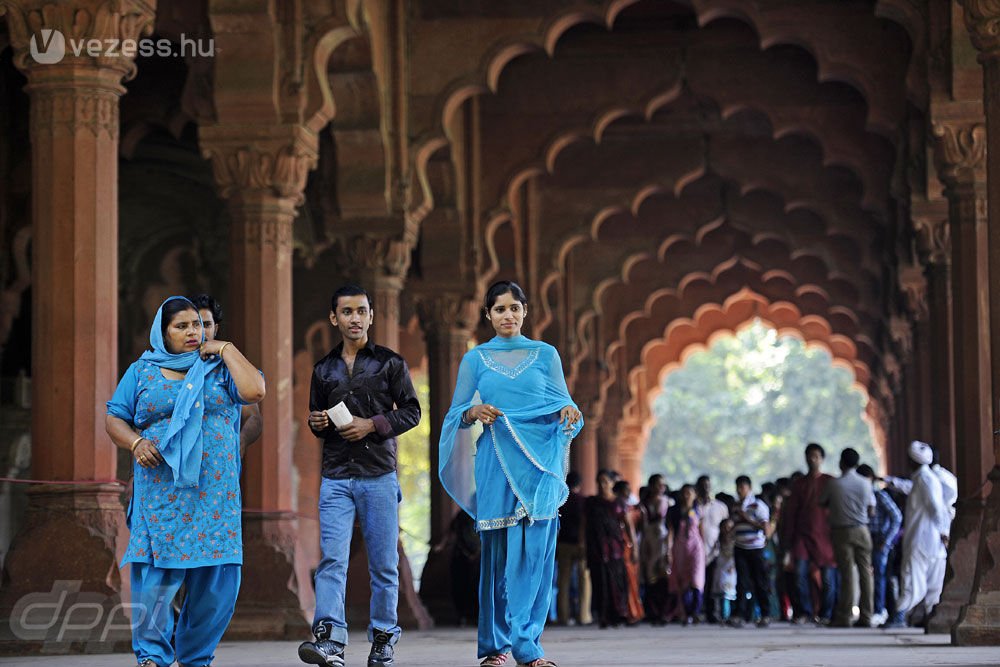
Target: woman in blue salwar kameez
[175, 410]
[511, 480]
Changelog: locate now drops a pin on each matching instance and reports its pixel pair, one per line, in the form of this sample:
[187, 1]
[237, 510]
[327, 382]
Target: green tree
[750, 404]
[414, 481]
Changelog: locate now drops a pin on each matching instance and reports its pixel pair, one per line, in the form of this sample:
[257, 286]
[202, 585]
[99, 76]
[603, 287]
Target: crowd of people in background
[855, 550]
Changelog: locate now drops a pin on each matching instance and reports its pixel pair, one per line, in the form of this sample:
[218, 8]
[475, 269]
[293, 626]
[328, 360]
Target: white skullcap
[921, 453]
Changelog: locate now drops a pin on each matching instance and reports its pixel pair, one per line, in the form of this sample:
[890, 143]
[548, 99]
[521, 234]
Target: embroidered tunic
[184, 527]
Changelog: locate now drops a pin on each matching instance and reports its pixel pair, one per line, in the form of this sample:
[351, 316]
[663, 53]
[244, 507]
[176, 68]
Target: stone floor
[778, 646]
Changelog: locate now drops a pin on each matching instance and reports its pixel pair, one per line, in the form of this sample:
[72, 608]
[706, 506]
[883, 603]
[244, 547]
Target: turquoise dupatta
[181, 445]
[524, 379]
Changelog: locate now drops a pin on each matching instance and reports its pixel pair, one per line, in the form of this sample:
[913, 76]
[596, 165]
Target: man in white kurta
[949, 483]
[925, 537]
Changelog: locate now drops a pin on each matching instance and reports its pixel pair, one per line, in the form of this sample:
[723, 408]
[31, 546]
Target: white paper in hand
[340, 415]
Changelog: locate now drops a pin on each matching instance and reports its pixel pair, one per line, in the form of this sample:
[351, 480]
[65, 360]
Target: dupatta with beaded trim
[524, 379]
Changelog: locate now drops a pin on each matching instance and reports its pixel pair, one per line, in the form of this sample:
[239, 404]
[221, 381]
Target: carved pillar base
[979, 622]
[66, 554]
[962, 550]
[269, 606]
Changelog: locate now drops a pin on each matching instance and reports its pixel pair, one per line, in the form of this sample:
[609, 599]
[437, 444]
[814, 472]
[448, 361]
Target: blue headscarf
[181, 445]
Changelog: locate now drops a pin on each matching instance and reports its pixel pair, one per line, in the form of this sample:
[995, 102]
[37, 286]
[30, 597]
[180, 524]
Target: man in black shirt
[359, 478]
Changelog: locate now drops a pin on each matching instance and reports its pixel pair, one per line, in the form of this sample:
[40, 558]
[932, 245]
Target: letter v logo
[53, 47]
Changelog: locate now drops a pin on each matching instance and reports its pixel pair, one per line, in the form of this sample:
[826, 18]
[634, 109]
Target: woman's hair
[503, 287]
[171, 308]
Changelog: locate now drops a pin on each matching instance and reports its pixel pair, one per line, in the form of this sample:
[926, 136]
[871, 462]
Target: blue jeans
[880, 562]
[828, 596]
[375, 501]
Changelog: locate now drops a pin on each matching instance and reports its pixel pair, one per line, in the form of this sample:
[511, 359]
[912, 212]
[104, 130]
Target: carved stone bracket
[913, 283]
[73, 23]
[982, 19]
[901, 332]
[933, 238]
[274, 160]
[960, 152]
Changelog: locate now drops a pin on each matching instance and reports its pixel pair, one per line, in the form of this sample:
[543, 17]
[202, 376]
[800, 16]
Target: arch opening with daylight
[685, 336]
[747, 401]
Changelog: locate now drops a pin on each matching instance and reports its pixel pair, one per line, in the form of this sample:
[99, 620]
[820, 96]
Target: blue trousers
[515, 588]
[880, 562]
[828, 596]
[375, 502]
[209, 602]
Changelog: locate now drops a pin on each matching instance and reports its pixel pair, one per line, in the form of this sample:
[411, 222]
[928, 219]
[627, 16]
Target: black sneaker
[323, 651]
[381, 653]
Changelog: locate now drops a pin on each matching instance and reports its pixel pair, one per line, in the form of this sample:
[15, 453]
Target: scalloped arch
[684, 336]
[552, 30]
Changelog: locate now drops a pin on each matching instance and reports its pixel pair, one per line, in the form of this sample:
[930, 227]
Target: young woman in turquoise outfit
[175, 410]
[511, 480]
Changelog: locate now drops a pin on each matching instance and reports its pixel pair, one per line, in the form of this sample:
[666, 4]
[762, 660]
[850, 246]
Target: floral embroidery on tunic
[190, 527]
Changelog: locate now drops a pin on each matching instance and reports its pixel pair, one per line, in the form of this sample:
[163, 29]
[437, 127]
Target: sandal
[538, 662]
[494, 660]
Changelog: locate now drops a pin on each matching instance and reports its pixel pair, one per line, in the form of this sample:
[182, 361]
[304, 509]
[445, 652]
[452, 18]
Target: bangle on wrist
[135, 443]
[223, 349]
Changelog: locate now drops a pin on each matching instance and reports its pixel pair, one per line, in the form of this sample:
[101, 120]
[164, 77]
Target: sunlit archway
[749, 403]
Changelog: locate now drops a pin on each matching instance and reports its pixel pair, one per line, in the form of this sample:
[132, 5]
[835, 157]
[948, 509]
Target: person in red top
[807, 536]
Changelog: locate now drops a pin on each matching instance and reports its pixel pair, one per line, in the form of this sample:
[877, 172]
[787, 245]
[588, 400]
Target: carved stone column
[979, 622]
[934, 239]
[959, 153]
[261, 172]
[583, 454]
[447, 320]
[71, 532]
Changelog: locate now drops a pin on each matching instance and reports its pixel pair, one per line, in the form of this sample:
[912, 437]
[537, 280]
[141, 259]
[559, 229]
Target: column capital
[445, 311]
[982, 20]
[273, 160]
[386, 256]
[960, 151]
[49, 36]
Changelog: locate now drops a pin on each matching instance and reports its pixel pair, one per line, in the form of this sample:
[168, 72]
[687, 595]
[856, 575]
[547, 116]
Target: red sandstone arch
[623, 352]
[766, 84]
[682, 242]
[833, 61]
[686, 335]
[838, 240]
